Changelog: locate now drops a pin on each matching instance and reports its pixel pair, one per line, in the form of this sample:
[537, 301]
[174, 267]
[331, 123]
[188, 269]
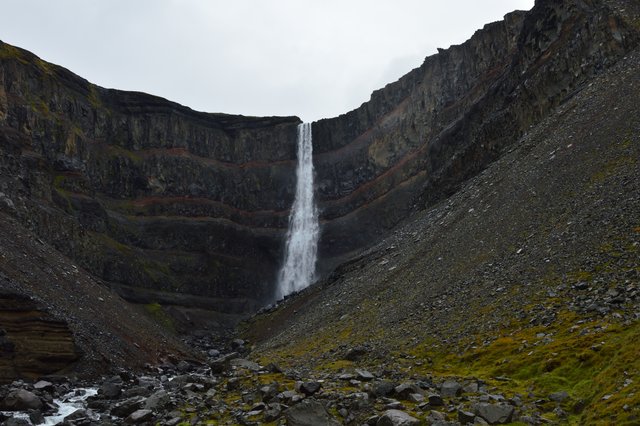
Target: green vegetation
[44, 66]
[158, 271]
[10, 52]
[590, 361]
[155, 311]
[94, 97]
[118, 151]
[107, 241]
[40, 106]
[611, 168]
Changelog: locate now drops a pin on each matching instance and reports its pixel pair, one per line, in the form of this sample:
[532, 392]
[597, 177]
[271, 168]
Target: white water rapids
[67, 404]
[298, 270]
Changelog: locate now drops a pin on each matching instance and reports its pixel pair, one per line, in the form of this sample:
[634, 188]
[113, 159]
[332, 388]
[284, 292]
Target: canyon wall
[179, 207]
[417, 139]
[164, 203]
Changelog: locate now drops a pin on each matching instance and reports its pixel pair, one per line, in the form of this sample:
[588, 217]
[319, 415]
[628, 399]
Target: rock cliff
[418, 139]
[525, 282]
[166, 204]
[179, 207]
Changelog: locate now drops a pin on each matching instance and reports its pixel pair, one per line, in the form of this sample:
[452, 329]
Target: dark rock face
[178, 207]
[419, 138]
[167, 204]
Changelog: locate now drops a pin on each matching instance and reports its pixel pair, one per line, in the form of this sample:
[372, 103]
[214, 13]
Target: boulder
[364, 375]
[309, 413]
[36, 417]
[472, 387]
[354, 354]
[273, 412]
[494, 413]
[184, 366]
[310, 388]
[43, 385]
[80, 416]
[465, 417]
[139, 416]
[559, 396]
[289, 397]
[435, 417]
[20, 400]
[222, 363]
[128, 406]
[110, 390]
[405, 390]
[268, 392]
[450, 389]
[397, 418]
[245, 363]
[416, 397]
[383, 389]
[157, 401]
[435, 400]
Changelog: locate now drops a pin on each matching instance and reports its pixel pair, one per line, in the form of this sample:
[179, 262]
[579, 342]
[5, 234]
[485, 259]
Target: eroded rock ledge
[32, 342]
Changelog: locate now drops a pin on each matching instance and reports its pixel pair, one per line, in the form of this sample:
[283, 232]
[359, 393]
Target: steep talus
[167, 204]
[419, 138]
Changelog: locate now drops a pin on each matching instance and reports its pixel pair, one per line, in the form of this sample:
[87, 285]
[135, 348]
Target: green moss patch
[157, 313]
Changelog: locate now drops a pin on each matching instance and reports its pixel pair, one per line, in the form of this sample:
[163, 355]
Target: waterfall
[298, 269]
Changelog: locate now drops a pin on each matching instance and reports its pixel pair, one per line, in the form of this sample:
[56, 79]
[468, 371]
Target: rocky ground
[230, 389]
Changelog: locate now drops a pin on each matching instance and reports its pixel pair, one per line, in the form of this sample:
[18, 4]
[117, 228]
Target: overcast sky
[313, 59]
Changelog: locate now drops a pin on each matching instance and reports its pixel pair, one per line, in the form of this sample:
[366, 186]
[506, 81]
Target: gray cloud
[308, 58]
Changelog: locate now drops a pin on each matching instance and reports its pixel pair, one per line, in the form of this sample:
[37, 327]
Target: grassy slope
[467, 288]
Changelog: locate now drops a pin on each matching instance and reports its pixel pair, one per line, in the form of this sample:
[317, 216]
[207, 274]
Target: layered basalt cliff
[174, 206]
[166, 204]
[417, 139]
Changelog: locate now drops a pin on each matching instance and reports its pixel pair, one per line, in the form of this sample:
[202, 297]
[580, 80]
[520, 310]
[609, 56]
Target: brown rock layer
[33, 343]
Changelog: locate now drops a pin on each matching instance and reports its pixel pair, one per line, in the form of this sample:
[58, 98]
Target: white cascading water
[299, 268]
